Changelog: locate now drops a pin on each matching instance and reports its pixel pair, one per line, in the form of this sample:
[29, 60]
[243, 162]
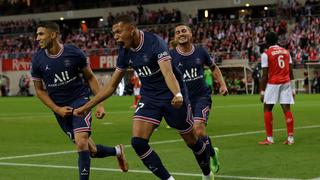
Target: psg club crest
[145, 58]
[198, 61]
[67, 62]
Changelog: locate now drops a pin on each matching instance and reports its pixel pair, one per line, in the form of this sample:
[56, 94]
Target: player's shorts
[73, 124]
[281, 93]
[136, 91]
[152, 112]
[200, 109]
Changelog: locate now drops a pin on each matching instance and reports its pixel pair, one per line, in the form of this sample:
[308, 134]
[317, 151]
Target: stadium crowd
[226, 40]
[242, 38]
[13, 7]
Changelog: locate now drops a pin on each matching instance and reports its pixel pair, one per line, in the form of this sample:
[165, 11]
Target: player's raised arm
[103, 94]
[44, 97]
[172, 83]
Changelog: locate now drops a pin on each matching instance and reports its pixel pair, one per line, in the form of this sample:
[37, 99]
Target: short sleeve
[160, 49]
[208, 60]
[35, 70]
[83, 60]
[264, 60]
[290, 59]
[121, 60]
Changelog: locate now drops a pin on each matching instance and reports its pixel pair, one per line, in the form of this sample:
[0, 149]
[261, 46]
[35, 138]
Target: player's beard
[49, 45]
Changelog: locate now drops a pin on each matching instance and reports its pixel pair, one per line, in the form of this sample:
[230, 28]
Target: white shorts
[281, 93]
[136, 91]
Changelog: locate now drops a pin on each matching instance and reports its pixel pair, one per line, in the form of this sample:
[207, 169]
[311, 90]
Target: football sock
[136, 99]
[149, 158]
[202, 155]
[290, 123]
[84, 165]
[268, 123]
[104, 151]
[207, 141]
[135, 103]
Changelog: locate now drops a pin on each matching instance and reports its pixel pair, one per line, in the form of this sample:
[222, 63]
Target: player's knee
[200, 133]
[190, 138]
[139, 144]
[200, 130]
[82, 144]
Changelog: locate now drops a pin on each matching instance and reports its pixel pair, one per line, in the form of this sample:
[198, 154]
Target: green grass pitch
[32, 145]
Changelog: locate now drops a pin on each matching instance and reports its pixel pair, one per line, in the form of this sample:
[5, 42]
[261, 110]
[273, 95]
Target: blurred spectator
[24, 85]
[208, 78]
[256, 76]
[306, 82]
[315, 84]
[136, 89]
[4, 85]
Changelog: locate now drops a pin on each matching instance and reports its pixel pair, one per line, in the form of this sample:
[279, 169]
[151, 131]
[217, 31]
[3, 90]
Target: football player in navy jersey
[191, 60]
[163, 94]
[59, 67]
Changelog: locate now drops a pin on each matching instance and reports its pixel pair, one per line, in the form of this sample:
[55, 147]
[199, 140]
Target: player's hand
[81, 111]
[261, 98]
[224, 91]
[64, 111]
[177, 101]
[294, 93]
[100, 112]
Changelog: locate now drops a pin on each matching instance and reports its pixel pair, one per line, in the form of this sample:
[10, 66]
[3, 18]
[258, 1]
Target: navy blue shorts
[152, 112]
[73, 124]
[200, 108]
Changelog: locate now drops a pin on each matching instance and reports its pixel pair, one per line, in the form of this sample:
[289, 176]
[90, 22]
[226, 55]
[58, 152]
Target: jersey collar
[141, 42]
[185, 53]
[57, 55]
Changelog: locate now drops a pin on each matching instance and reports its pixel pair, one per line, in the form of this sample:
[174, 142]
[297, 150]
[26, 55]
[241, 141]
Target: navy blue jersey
[191, 65]
[144, 60]
[61, 73]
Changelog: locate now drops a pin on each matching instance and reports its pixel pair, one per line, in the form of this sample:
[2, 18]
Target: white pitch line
[137, 171]
[37, 155]
[317, 178]
[32, 115]
[159, 142]
[107, 123]
[236, 134]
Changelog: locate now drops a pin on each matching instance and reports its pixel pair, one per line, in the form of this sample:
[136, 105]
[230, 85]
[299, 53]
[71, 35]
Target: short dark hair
[49, 25]
[271, 38]
[183, 24]
[126, 19]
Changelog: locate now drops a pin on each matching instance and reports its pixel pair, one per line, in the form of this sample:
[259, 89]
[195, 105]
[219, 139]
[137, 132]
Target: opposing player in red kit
[277, 86]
